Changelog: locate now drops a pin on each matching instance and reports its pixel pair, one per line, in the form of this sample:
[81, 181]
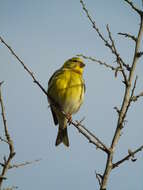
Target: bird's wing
[51, 100]
[54, 116]
[56, 73]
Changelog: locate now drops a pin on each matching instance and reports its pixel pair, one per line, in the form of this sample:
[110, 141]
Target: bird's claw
[69, 118]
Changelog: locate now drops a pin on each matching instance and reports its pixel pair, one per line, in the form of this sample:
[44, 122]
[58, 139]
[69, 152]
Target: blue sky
[44, 34]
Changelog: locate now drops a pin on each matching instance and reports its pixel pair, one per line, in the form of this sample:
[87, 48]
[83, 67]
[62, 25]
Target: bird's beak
[82, 64]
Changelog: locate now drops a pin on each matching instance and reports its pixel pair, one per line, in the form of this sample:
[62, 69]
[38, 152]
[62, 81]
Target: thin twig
[140, 12]
[118, 58]
[3, 140]
[93, 23]
[98, 61]
[117, 110]
[132, 93]
[99, 178]
[22, 63]
[134, 86]
[128, 36]
[126, 158]
[8, 138]
[23, 164]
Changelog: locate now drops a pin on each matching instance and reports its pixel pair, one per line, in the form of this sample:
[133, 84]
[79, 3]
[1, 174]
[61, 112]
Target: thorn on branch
[99, 178]
[124, 122]
[135, 98]
[133, 90]
[1, 83]
[133, 159]
[125, 83]
[139, 54]
[121, 133]
[117, 70]
[130, 152]
[117, 109]
[2, 177]
[128, 67]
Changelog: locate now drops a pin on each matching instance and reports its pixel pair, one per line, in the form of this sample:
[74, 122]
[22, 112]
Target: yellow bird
[65, 93]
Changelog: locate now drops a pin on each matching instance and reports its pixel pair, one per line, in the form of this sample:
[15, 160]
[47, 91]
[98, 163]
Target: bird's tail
[62, 137]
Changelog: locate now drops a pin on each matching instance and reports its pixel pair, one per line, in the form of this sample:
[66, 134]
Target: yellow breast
[67, 89]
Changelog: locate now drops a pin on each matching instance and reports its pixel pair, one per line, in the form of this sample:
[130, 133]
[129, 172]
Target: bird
[66, 89]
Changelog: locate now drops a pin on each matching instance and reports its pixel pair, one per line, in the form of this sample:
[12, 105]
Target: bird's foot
[69, 118]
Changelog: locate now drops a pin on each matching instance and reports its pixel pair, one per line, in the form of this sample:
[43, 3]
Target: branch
[133, 90]
[93, 23]
[126, 158]
[140, 12]
[134, 86]
[128, 36]
[132, 93]
[9, 140]
[21, 164]
[22, 63]
[91, 137]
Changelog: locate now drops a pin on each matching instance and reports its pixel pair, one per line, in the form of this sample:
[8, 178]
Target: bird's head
[75, 64]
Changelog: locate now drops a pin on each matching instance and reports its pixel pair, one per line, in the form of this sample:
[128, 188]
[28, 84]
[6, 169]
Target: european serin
[65, 93]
